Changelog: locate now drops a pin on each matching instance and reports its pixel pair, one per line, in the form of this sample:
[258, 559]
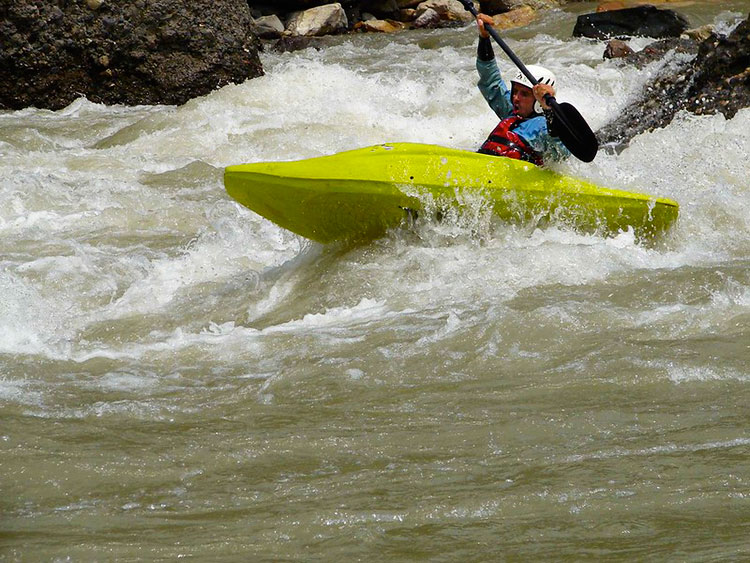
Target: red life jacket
[504, 141]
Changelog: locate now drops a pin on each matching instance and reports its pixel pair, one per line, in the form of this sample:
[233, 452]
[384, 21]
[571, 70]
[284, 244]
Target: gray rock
[125, 52]
[268, 27]
[428, 19]
[321, 20]
[449, 10]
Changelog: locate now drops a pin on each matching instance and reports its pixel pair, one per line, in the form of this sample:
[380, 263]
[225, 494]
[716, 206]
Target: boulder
[717, 80]
[617, 48]
[321, 20]
[125, 52]
[449, 10]
[515, 18]
[380, 26]
[646, 21]
[268, 27]
[428, 19]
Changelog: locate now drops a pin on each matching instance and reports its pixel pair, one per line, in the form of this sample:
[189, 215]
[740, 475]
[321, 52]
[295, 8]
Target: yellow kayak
[358, 195]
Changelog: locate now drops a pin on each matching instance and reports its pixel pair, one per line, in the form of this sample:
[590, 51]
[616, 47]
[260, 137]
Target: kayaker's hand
[481, 20]
[541, 90]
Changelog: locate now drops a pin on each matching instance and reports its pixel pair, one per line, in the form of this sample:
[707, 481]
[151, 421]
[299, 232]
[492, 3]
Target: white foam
[103, 246]
[684, 374]
[364, 312]
[26, 317]
[20, 391]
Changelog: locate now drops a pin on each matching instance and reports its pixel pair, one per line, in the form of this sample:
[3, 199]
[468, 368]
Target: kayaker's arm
[491, 83]
[492, 86]
[484, 50]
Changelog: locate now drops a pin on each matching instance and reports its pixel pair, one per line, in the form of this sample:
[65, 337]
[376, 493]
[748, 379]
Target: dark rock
[646, 21]
[658, 49]
[125, 52]
[717, 80]
[260, 9]
[407, 15]
[290, 43]
[383, 9]
[494, 7]
[722, 80]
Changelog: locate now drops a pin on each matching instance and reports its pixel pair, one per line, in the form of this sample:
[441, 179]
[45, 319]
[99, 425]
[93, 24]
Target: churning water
[180, 377]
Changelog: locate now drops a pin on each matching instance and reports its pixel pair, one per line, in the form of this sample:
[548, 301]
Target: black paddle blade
[574, 132]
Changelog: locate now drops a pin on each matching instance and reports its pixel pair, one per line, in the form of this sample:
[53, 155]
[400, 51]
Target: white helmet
[542, 75]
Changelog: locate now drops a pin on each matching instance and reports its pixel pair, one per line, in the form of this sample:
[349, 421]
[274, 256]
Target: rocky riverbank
[294, 19]
[716, 80]
[167, 52]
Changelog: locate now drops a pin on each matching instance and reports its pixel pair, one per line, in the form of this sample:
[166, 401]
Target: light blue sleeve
[536, 134]
[493, 88]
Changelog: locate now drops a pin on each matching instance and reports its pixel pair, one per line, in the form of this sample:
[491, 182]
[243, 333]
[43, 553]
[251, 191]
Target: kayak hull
[358, 195]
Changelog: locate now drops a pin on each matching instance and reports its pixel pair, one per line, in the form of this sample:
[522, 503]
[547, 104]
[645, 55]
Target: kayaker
[527, 125]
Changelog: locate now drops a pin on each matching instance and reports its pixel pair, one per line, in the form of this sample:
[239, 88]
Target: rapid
[182, 378]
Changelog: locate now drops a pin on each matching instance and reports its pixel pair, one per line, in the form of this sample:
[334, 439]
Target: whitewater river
[180, 377]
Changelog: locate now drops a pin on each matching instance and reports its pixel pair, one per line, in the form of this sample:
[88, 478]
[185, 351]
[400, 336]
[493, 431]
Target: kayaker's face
[523, 100]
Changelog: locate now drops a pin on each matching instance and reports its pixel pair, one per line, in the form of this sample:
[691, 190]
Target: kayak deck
[360, 194]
